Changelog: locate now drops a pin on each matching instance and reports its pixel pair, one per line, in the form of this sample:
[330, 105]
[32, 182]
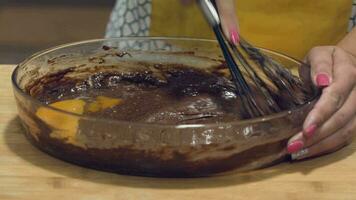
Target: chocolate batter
[161, 94]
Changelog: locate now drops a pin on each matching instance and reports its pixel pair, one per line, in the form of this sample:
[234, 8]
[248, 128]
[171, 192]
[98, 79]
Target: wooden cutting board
[27, 173]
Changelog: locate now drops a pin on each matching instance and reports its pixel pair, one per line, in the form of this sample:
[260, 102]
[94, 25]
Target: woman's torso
[288, 26]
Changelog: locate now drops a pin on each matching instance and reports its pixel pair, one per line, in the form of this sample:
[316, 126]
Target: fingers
[229, 20]
[321, 61]
[330, 144]
[331, 126]
[336, 121]
[335, 95]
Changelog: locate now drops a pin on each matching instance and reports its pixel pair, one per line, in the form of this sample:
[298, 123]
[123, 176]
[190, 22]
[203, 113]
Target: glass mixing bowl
[149, 149]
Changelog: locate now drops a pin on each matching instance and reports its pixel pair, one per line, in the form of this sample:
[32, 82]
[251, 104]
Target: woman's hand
[229, 23]
[331, 124]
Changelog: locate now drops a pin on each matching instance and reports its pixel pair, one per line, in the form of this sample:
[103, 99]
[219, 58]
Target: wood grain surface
[27, 173]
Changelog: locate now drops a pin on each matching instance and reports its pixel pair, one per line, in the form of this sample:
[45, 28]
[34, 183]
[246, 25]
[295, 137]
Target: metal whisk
[255, 74]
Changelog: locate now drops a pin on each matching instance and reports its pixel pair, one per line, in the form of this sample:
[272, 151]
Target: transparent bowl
[148, 149]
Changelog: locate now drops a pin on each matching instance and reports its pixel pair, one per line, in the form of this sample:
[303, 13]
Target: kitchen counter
[27, 173]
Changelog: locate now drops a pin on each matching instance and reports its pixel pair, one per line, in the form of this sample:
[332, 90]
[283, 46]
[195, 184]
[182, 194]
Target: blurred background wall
[27, 26]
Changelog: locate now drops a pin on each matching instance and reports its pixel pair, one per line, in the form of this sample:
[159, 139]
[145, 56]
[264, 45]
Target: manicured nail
[300, 154]
[310, 130]
[322, 80]
[295, 146]
[235, 38]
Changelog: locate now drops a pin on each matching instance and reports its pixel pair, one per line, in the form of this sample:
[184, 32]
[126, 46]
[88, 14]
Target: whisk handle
[237, 76]
[209, 12]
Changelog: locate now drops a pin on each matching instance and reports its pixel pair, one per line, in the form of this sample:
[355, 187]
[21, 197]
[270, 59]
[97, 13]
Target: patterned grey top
[133, 17]
[129, 18]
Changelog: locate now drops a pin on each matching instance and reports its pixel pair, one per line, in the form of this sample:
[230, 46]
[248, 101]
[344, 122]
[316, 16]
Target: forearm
[348, 43]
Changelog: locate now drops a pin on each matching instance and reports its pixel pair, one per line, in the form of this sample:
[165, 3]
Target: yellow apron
[288, 26]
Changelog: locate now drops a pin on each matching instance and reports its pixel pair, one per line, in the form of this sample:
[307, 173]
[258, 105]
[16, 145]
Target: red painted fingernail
[309, 131]
[295, 146]
[322, 80]
[235, 38]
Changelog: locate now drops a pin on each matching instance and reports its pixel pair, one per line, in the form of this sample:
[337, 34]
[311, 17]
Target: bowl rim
[265, 118]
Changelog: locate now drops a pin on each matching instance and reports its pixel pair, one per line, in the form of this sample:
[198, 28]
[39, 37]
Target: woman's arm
[349, 42]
